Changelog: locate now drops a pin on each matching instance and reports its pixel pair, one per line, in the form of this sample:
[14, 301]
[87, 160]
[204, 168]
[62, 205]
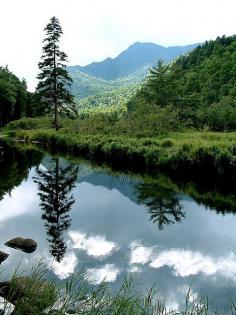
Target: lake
[113, 223]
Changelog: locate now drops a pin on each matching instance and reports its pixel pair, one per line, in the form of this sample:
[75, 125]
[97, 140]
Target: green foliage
[201, 85]
[115, 98]
[85, 85]
[185, 153]
[219, 116]
[54, 78]
[30, 123]
[14, 98]
[76, 295]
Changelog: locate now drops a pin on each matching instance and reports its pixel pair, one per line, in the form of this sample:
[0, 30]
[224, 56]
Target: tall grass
[76, 296]
[185, 153]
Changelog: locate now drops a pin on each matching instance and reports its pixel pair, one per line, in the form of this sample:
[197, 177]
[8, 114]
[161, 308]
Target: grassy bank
[180, 152]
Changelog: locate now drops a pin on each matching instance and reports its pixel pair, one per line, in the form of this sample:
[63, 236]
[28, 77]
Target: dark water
[82, 215]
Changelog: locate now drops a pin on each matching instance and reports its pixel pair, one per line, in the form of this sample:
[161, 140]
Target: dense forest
[85, 85]
[14, 98]
[197, 90]
[201, 86]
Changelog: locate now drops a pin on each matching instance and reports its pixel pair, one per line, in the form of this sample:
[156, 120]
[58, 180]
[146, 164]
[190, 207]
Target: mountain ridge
[135, 57]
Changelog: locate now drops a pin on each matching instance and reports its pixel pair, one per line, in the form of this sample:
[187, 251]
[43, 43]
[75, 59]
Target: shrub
[219, 116]
[167, 143]
[30, 123]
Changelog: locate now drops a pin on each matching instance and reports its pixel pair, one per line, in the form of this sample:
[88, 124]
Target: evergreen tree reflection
[161, 201]
[55, 185]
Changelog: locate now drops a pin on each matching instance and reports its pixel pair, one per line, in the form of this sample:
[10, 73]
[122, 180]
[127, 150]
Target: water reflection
[108, 273]
[1, 151]
[162, 202]
[15, 165]
[55, 185]
[96, 246]
[113, 233]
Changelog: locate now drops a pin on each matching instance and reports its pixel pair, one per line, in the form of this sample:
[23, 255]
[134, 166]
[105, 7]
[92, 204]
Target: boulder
[3, 256]
[28, 294]
[26, 245]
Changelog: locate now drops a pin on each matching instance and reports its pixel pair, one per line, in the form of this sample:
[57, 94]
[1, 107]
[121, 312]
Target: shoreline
[212, 154]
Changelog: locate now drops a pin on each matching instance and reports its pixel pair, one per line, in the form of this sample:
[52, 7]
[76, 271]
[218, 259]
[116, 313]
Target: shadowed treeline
[15, 164]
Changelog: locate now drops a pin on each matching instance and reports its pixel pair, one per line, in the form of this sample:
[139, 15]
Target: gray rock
[3, 256]
[26, 245]
[70, 311]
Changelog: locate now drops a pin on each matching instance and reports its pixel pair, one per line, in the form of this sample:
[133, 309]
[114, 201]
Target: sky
[97, 29]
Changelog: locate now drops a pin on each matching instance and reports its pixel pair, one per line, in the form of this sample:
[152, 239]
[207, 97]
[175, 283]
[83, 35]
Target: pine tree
[54, 79]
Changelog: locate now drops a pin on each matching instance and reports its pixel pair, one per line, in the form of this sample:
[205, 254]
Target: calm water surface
[116, 224]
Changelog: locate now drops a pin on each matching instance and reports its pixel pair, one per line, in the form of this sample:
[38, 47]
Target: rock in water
[27, 245]
[3, 256]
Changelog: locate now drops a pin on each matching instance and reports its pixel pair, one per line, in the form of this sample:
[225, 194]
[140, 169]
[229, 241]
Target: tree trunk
[55, 91]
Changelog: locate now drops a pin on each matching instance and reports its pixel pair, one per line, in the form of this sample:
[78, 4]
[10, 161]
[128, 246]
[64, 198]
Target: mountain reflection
[161, 201]
[55, 185]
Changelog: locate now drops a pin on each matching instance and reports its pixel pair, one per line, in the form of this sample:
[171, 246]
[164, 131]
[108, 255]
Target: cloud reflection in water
[66, 267]
[183, 262]
[96, 246]
[107, 273]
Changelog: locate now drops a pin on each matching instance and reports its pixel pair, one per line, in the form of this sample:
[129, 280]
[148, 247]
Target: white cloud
[107, 273]
[66, 267]
[186, 263]
[96, 246]
[140, 254]
[94, 30]
[135, 269]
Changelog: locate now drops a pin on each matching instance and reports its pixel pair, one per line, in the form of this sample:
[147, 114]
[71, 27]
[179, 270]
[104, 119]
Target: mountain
[134, 58]
[128, 69]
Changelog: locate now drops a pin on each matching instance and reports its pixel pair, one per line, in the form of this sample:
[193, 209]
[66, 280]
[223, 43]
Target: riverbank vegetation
[34, 292]
[184, 152]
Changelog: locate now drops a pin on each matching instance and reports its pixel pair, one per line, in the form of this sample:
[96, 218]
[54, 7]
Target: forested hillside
[85, 85]
[116, 97]
[14, 98]
[200, 85]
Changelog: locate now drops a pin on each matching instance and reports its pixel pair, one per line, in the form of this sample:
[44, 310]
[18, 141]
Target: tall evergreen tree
[54, 79]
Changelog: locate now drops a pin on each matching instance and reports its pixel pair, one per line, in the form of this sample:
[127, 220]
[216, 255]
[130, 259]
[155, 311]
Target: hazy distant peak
[134, 58]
